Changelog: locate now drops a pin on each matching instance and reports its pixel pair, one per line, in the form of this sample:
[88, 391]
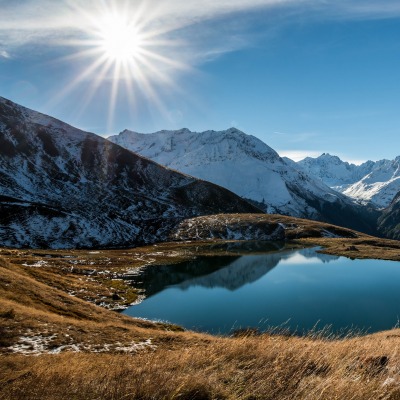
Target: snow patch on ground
[37, 264]
[36, 344]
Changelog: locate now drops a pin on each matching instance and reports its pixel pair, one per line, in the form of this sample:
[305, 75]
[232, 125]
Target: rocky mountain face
[61, 187]
[389, 222]
[251, 169]
[372, 182]
[228, 227]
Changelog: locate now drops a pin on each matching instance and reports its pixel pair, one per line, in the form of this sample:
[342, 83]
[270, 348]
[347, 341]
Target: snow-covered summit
[209, 146]
[245, 165]
[374, 182]
[229, 158]
[380, 185]
[334, 172]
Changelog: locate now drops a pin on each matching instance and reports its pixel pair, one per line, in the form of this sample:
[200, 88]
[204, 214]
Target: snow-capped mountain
[334, 172]
[371, 182]
[248, 167]
[62, 187]
[380, 186]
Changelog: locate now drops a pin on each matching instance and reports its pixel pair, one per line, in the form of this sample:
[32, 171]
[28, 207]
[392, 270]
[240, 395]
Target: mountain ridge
[375, 182]
[63, 187]
[250, 168]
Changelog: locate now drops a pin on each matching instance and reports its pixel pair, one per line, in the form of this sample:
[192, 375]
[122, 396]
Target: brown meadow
[59, 340]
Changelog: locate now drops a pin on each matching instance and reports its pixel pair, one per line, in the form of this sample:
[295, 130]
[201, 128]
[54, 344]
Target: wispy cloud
[50, 23]
[4, 54]
[366, 9]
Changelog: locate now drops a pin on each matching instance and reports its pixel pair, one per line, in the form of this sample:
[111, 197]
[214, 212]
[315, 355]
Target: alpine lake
[273, 287]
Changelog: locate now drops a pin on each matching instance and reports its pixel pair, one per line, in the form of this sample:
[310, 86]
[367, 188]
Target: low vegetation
[60, 340]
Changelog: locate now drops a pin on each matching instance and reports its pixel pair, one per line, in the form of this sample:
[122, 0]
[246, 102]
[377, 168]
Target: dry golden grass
[262, 367]
[123, 358]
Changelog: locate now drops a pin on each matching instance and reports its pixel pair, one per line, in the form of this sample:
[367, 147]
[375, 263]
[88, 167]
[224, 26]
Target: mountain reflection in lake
[241, 287]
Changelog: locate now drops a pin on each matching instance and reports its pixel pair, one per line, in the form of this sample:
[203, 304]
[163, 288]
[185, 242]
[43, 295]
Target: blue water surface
[298, 290]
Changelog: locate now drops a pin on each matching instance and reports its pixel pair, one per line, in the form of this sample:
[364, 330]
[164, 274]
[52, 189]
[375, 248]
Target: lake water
[294, 289]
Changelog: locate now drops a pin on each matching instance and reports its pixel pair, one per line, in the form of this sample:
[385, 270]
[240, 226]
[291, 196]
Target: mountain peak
[375, 182]
[208, 146]
[331, 158]
[234, 130]
[248, 167]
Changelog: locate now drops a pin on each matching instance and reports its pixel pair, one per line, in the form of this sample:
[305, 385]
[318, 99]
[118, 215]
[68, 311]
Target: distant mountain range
[62, 187]
[248, 167]
[371, 182]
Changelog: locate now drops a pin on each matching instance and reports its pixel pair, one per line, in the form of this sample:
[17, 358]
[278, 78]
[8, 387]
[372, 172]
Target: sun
[123, 49]
[119, 39]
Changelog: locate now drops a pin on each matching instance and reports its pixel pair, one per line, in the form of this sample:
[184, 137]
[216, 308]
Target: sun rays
[123, 49]
[120, 40]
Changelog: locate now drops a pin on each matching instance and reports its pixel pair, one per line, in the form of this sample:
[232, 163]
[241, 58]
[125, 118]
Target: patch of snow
[38, 264]
[39, 344]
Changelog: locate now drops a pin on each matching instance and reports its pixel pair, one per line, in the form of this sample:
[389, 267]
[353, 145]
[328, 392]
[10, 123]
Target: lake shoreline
[55, 321]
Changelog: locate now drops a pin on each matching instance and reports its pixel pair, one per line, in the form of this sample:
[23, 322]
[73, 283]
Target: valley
[80, 215]
[57, 305]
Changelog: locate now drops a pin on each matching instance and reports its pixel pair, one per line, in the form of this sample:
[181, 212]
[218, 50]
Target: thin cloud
[4, 54]
[195, 27]
[367, 9]
[49, 23]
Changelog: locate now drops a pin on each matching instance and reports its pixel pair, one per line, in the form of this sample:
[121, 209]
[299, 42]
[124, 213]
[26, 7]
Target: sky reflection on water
[297, 288]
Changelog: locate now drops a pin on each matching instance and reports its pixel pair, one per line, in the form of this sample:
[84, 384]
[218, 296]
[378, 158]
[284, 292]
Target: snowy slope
[62, 187]
[380, 186]
[334, 172]
[374, 182]
[248, 167]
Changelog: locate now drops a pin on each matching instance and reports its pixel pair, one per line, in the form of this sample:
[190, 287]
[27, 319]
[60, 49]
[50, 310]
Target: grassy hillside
[58, 340]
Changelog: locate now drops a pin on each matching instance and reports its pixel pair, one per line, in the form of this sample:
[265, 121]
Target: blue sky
[304, 76]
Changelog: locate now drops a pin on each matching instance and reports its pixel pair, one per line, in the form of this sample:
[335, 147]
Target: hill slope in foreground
[61, 187]
[57, 343]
